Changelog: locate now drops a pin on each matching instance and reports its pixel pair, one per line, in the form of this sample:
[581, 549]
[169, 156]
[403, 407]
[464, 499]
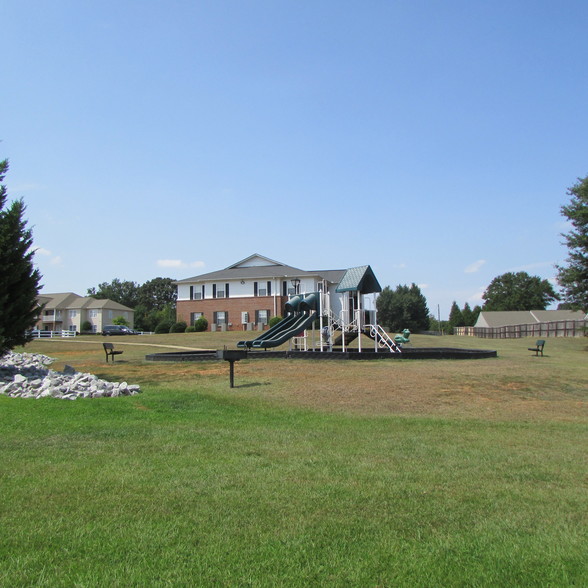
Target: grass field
[386, 473]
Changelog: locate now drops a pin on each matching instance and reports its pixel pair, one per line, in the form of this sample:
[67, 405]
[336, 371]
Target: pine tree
[574, 277]
[468, 315]
[19, 281]
[403, 308]
[455, 316]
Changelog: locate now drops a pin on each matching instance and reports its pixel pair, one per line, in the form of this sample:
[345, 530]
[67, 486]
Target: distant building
[248, 293]
[68, 312]
[527, 323]
[506, 318]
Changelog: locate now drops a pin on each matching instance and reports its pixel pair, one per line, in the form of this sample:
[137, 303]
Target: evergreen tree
[468, 316]
[403, 308]
[455, 317]
[574, 277]
[19, 281]
[476, 313]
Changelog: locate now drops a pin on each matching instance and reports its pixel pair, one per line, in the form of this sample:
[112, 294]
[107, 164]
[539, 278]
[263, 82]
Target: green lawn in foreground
[193, 484]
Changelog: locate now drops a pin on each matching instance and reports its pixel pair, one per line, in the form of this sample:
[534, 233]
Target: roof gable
[254, 260]
[359, 279]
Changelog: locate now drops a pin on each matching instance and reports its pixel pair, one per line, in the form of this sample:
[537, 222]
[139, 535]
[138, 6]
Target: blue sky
[434, 141]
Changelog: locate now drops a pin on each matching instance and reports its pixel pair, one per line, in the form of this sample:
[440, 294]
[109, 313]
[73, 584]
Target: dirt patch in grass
[514, 386]
[488, 389]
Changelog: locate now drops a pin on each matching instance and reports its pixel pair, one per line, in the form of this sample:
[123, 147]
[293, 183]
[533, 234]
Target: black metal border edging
[413, 353]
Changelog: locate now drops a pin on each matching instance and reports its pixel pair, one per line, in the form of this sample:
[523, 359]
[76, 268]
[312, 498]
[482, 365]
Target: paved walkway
[73, 340]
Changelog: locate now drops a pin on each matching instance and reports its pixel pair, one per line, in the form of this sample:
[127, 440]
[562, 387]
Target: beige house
[68, 312]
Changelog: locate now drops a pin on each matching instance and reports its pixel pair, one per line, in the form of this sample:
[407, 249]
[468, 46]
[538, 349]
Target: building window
[262, 316]
[93, 314]
[257, 291]
[220, 294]
[194, 316]
[220, 317]
[72, 314]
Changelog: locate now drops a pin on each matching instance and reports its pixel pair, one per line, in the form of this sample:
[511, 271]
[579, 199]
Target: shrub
[190, 329]
[274, 321]
[200, 324]
[164, 326]
[120, 320]
[179, 327]
[87, 327]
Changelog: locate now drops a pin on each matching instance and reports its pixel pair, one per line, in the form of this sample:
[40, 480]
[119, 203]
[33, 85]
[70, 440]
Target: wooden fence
[550, 329]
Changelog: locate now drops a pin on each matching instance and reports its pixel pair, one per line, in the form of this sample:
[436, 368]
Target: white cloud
[399, 266]
[475, 267]
[424, 286]
[55, 259]
[178, 263]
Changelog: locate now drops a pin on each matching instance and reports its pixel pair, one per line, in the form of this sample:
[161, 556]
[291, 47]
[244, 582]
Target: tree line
[154, 302]
[404, 307]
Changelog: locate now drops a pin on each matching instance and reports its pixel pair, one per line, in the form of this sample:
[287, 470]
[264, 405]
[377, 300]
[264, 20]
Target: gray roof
[259, 271]
[66, 300]
[359, 279]
[273, 269]
[506, 318]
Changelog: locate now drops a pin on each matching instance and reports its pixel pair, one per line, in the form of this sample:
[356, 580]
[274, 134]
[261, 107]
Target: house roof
[543, 316]
[525, 317]
[65, 300]
[260, 267]
[359, 279]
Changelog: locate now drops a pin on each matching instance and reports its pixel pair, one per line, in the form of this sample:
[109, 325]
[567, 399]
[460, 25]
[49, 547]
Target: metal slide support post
[375, 322]
[343, 323]
[359, 300]
[321, 331]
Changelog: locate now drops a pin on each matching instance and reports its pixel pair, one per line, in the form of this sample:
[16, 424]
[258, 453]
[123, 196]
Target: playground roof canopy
[361, 279]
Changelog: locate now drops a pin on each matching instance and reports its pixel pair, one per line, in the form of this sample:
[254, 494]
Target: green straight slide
[301, 315]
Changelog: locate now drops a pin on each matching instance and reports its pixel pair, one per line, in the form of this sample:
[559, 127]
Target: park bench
[109, 350]
[538, 349]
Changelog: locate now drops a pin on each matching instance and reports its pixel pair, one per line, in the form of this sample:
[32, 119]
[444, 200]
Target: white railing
[52, 334]
[383, 339]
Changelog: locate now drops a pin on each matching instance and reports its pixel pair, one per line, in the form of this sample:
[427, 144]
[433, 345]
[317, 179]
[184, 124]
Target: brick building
[245, 295]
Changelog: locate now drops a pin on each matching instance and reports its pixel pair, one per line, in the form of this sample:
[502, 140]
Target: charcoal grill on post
[232, 355]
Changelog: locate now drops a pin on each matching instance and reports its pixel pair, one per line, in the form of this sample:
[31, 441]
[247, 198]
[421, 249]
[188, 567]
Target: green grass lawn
[389, 473]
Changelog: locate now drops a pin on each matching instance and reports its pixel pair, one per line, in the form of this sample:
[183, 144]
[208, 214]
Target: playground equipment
[403, 338]
[341, 315]
[300, 314]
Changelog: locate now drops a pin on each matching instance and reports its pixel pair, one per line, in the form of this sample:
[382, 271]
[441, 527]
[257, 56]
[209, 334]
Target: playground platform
[351, 354]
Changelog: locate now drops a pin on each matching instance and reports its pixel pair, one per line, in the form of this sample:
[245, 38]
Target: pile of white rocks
[26, 375]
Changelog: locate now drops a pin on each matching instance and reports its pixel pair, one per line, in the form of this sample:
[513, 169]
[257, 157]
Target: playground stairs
[378, 334]
[375, 333]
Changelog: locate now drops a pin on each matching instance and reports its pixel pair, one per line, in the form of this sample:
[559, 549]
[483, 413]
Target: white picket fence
[52, 334]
